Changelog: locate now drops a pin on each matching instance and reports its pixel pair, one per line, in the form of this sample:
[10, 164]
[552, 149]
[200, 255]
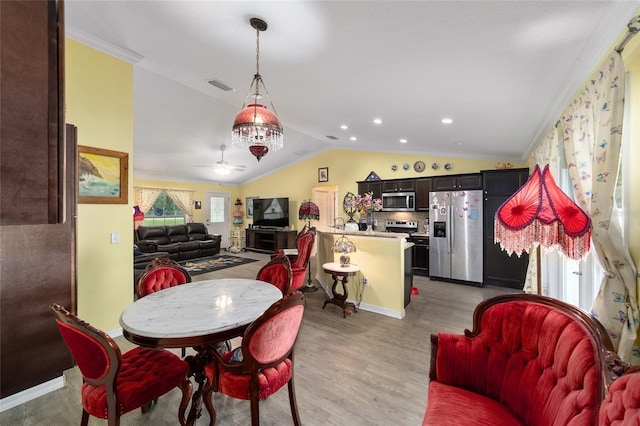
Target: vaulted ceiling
[501, 70]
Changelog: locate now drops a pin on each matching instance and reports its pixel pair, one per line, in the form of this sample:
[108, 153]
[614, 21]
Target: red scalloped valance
[540, 213]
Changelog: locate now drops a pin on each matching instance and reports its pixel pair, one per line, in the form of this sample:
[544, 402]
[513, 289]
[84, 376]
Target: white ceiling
[502, 70]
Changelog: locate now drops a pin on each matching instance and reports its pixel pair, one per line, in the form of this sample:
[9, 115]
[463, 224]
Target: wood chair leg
[85, 418]
[255, 410]
[293, 403]
[207, 398]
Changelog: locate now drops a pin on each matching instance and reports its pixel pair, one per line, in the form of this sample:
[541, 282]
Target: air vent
[333, 138]
[220, 85]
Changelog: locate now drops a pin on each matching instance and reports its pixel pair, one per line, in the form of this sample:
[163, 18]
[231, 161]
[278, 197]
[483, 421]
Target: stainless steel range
[403, 226]
[420, 252]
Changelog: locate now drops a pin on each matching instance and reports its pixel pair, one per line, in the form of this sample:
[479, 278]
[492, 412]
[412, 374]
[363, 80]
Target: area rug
[213, 263]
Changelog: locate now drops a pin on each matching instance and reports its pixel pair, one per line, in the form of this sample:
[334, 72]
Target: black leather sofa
[182, 242]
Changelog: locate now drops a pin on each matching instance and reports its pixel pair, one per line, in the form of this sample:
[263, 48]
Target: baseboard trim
[362, 306]
[31, 393]
[43, 388]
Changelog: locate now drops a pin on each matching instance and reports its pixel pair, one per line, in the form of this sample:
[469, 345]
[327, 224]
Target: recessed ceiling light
[459, 143]
[377, 121]
[353, 138]
[403, 141]
[446, 121]
[344, 127]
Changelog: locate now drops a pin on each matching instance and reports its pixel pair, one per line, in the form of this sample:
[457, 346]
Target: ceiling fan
[222, 167]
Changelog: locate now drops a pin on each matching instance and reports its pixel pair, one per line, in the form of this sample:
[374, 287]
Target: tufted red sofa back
[532, 358]
[622, 405]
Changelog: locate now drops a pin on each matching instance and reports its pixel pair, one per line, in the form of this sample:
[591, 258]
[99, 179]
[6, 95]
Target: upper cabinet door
[423, 187]
[457, 182]
[504, 182]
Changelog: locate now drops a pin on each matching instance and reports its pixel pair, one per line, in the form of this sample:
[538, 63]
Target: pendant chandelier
[255, 126]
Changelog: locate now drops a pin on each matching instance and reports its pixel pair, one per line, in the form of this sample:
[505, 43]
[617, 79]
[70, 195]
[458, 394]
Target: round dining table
[196, 315]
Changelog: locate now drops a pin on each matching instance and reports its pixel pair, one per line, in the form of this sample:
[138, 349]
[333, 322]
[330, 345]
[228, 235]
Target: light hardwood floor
[366, 369]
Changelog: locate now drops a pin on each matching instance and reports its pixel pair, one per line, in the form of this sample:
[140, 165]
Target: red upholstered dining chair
[300, 264]
[263, 363]
[292, 257]
[278, 273]
[115, 383]
[159, 274]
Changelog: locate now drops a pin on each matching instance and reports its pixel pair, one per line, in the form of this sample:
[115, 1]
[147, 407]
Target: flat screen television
[270, 212]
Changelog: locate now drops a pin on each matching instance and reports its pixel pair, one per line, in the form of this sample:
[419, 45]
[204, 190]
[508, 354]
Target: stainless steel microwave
[398, 201]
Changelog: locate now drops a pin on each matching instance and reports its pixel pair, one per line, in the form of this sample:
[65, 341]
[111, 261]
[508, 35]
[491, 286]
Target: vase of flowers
[366, 205]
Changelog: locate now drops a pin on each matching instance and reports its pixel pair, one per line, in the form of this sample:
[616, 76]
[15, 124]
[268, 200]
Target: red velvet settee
[529, 360]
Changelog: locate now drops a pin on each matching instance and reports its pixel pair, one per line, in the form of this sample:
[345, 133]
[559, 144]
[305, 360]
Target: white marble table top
[201, 308]
[351, 269]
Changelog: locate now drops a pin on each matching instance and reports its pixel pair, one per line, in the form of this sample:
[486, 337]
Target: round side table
[336, 270]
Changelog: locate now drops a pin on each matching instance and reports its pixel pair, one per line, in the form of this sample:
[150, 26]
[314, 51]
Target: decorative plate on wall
[419, 166]
[405, 166]
[394, 168]
[448, 166]
[435, 166]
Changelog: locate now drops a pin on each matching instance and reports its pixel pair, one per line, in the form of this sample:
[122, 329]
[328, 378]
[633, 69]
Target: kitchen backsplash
[382, 217]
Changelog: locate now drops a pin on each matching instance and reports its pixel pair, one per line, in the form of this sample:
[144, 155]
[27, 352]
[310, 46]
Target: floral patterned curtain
[184, 200]
[592, 135]
[146, 197]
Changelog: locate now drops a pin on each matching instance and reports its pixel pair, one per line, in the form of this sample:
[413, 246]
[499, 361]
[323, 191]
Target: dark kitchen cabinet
[420, 255]
[374, 187]
[499, 269]
[400, 185]
[457, 182]
[423, 187]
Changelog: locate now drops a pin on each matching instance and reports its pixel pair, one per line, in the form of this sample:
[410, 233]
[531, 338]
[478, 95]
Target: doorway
[326, 197]
[216, 210]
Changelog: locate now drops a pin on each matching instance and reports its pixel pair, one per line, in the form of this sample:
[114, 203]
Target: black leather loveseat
[182, 242]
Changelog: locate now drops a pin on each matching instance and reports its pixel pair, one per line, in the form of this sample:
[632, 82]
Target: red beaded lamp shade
[255, 126]
[539, 213]
[309, 210]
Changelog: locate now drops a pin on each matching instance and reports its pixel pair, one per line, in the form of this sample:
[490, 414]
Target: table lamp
[309, 210]
[344, 246]
[138, 217]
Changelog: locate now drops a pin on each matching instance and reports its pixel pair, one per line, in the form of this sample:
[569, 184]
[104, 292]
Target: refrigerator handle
[450, 235]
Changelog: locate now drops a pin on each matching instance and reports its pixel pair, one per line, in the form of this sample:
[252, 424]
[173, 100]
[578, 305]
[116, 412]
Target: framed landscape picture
[102, 176]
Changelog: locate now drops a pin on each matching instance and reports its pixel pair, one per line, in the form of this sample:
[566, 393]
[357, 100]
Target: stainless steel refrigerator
[456, 238]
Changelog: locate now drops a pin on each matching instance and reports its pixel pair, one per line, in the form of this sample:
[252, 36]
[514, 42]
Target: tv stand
[269, 240]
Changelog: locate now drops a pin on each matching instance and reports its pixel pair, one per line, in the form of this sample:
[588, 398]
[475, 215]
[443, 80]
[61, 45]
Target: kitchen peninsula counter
[381, 258]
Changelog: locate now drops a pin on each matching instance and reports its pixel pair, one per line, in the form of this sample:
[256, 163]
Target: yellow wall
[346, 167]
[198, 195]
[99, 101]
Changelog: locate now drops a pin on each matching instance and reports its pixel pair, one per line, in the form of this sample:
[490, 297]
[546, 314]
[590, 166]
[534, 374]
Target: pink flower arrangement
[366, 203]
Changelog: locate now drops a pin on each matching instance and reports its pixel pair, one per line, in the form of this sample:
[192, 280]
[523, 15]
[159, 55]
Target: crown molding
[102, 45]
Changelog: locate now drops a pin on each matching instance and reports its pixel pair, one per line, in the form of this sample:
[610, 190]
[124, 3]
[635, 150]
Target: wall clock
[419, 166]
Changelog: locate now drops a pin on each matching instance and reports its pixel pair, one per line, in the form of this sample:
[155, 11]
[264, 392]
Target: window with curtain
[575, 282]
[164, 211]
